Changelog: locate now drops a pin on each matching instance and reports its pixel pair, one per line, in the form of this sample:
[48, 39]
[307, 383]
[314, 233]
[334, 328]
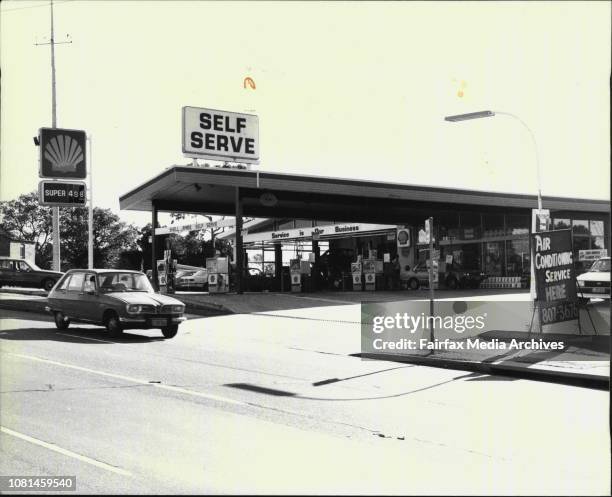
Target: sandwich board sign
[220, 135]
[555, 277]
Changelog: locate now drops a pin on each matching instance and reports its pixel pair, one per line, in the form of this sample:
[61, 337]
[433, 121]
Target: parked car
[117, 299]
[19, 272]
[595, 283]
[194, 280]
[454, 277]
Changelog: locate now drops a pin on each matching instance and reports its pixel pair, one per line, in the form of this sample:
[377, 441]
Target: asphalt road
[276, 403]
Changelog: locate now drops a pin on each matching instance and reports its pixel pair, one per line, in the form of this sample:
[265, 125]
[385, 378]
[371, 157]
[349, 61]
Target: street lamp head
[467, 117]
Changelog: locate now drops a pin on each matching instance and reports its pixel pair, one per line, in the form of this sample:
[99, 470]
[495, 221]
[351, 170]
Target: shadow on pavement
[74, 335]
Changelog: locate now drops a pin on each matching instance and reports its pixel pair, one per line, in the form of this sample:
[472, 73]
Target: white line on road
[86, 338]
[133, 380]
[65, 452]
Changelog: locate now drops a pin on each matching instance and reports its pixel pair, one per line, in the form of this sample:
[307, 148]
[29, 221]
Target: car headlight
[580, 283]
[177, 308]
[134, 308]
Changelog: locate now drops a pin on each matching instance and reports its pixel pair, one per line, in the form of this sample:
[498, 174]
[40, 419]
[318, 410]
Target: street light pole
[489, 113]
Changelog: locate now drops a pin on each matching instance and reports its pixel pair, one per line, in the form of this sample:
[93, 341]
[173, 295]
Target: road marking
[86, 338]
[65, 452]
[321, 299]
[133, 380]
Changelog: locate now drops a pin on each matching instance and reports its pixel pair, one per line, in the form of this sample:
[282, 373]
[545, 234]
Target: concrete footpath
[584, 360]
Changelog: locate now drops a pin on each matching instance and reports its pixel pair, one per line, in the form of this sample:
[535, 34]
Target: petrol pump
[298, 269]
[356, 272]
[166, 273]
[218, 274]
[369, 274]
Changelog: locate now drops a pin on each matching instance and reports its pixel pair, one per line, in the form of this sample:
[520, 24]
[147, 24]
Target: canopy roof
[213, 191]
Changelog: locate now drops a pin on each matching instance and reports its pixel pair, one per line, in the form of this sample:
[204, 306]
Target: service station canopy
[209, 190]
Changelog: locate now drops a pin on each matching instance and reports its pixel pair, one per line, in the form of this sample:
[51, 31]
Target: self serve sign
[220, 135]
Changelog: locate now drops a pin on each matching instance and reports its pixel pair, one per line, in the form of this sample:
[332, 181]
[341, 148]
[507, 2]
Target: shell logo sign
[248, 81]
[62, 153]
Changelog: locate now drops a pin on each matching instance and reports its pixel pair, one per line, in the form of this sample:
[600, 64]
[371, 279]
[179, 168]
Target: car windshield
[601, 266]
[124, 282]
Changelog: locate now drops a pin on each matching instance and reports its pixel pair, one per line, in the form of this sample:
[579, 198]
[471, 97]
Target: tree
[111, 236]
[26, 219]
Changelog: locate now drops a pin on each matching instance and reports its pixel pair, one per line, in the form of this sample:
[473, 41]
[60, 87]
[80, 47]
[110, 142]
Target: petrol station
[472, 226]
[369, 231]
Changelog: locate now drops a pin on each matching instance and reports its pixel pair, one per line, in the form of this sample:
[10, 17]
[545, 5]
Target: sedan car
[595, 283]
[19, 272]
[194, 280]
[116, 299]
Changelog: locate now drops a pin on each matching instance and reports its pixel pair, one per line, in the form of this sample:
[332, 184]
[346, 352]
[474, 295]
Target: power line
[35, 6]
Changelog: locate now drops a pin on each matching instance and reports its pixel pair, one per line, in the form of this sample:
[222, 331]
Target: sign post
[62, 155]
[429, 234]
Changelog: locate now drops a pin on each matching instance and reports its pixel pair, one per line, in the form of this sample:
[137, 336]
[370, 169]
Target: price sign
[62, 193]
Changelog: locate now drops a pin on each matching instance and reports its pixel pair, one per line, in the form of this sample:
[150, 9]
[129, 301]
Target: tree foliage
[26, 219]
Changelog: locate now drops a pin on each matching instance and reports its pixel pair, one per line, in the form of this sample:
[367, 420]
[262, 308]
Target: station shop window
[517, 224]
[470, 225]
[580, 227]
[561, 224]
[518, 257]
[447, 224]
[494, 258]
[493, 225]
[597, 234]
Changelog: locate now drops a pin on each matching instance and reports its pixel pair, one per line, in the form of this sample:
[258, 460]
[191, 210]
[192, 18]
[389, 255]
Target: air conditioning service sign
[220, 135]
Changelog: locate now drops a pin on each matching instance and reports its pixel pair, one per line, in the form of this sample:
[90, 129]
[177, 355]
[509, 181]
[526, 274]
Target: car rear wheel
[413, 284]
[113, 325]
[61, 321]
[583, 301]
[48, 284]
[170, 331]
[451, 283]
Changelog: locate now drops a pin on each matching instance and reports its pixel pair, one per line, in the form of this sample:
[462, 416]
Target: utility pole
[90, 260]
[55, 210]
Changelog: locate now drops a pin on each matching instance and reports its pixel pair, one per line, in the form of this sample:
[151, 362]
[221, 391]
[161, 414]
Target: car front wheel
[113, 325]
[451, 283]
[48, 284]
[170, 331]
[413, 284]
[61, 321]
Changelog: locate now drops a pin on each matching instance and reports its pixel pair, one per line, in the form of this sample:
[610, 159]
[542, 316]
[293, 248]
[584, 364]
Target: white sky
[343, 89]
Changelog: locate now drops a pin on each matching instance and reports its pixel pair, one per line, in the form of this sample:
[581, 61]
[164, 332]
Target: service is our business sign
[220, 135]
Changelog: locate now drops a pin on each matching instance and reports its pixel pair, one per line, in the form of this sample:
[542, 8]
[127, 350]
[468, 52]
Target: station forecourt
[334, 222]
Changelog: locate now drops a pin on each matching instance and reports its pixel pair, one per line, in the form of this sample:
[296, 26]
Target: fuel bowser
[356, 275]
[166, 273]
[369, 274]
[218, 274]
[298, 269]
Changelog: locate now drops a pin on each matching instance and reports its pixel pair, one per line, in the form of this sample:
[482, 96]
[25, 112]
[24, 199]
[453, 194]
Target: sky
[344, 89]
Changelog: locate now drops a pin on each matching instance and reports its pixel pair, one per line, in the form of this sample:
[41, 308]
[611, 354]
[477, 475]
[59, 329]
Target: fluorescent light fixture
[467, 117]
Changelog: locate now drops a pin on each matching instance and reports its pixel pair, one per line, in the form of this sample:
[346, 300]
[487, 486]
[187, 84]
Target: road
[278, 403]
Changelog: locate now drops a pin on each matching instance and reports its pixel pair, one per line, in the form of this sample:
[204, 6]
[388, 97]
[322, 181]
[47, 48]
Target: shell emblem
[64, 153]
